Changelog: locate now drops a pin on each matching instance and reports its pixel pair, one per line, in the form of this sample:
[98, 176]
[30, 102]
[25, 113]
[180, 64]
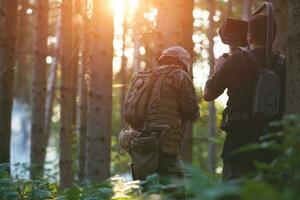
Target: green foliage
[200, 136]
[277, 180]
[15, 189]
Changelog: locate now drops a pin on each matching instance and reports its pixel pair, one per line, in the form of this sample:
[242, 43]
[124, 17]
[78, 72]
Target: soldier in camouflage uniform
[170, 104]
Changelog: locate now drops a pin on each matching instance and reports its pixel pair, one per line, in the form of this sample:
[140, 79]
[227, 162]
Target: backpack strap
[156, 87]
[161, 76]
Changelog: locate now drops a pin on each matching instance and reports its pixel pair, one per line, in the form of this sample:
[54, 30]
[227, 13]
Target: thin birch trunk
[8, 19]
[100, 94]
[67, 94]
[187, 43]
[51, 88]
[39, 90]
[123, 74]
[212, 126]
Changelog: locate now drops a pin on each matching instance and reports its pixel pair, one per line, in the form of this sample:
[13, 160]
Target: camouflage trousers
[168, 169]
[169, 166]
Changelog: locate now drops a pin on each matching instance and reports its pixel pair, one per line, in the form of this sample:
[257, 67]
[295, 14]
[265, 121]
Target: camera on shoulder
[234, 33]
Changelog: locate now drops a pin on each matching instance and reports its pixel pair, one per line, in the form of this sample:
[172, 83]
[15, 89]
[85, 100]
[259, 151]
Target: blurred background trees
[8, 23]
[66, 65]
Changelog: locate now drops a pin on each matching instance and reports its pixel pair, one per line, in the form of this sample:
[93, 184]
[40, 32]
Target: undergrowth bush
[278, 180]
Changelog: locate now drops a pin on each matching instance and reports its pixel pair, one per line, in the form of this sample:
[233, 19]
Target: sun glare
[122, 9]
[117, 6]
[121, 6]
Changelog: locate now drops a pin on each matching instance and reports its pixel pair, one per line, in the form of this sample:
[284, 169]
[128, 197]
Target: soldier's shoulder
[237, 56]
[145, 71]
[180, 73]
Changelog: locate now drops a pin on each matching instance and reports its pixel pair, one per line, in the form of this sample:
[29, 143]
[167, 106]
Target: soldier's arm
[214, 87]
[216, 84]
[188, 102]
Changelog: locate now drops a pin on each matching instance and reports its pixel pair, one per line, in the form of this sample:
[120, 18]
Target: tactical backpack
[142, 147]
[138, 95]
[266, 98]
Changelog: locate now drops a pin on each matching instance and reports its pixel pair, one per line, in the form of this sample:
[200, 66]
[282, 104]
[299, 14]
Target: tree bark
[51, 87]
[293, 59]
[187, 43]
[39, 89]
[169, 24]
[137, 39]
[75, 58]
[281, 16]
[24, 47]
[100, 94]
[83, 92]
[123, 74]
[212, 127]
[8, 19]
[246, 9]
[67, 94]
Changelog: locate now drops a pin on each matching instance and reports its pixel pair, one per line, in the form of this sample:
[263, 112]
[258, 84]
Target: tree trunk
[212, 127]
[39, 89]
[136, 57]
[281, 16]
[246, 9]
[8, 19]
[75, 58]
[100, 95]
[51, 87]
[229, 8]
[139, 36]
[123, 74]
[83, 92]
[149, 55]
[67, 94]
[293, 59]
[22, 87]
[187, 43]
[169, 24]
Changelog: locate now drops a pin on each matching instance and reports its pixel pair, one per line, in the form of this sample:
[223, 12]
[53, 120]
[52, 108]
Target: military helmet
[179, 53]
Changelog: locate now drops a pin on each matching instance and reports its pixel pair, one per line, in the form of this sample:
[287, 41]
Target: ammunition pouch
[125, 137]
[145, 144]
[144, 155]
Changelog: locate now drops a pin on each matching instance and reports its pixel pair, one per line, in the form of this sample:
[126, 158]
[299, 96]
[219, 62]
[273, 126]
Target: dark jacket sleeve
[218, 82]
[188, 103]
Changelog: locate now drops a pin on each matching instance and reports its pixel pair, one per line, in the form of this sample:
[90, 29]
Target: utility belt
[169, 140]
[144, 148]
[228, 118]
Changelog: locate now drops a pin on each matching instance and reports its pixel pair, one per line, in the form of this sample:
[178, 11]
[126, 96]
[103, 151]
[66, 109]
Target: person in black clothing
[237, 73]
